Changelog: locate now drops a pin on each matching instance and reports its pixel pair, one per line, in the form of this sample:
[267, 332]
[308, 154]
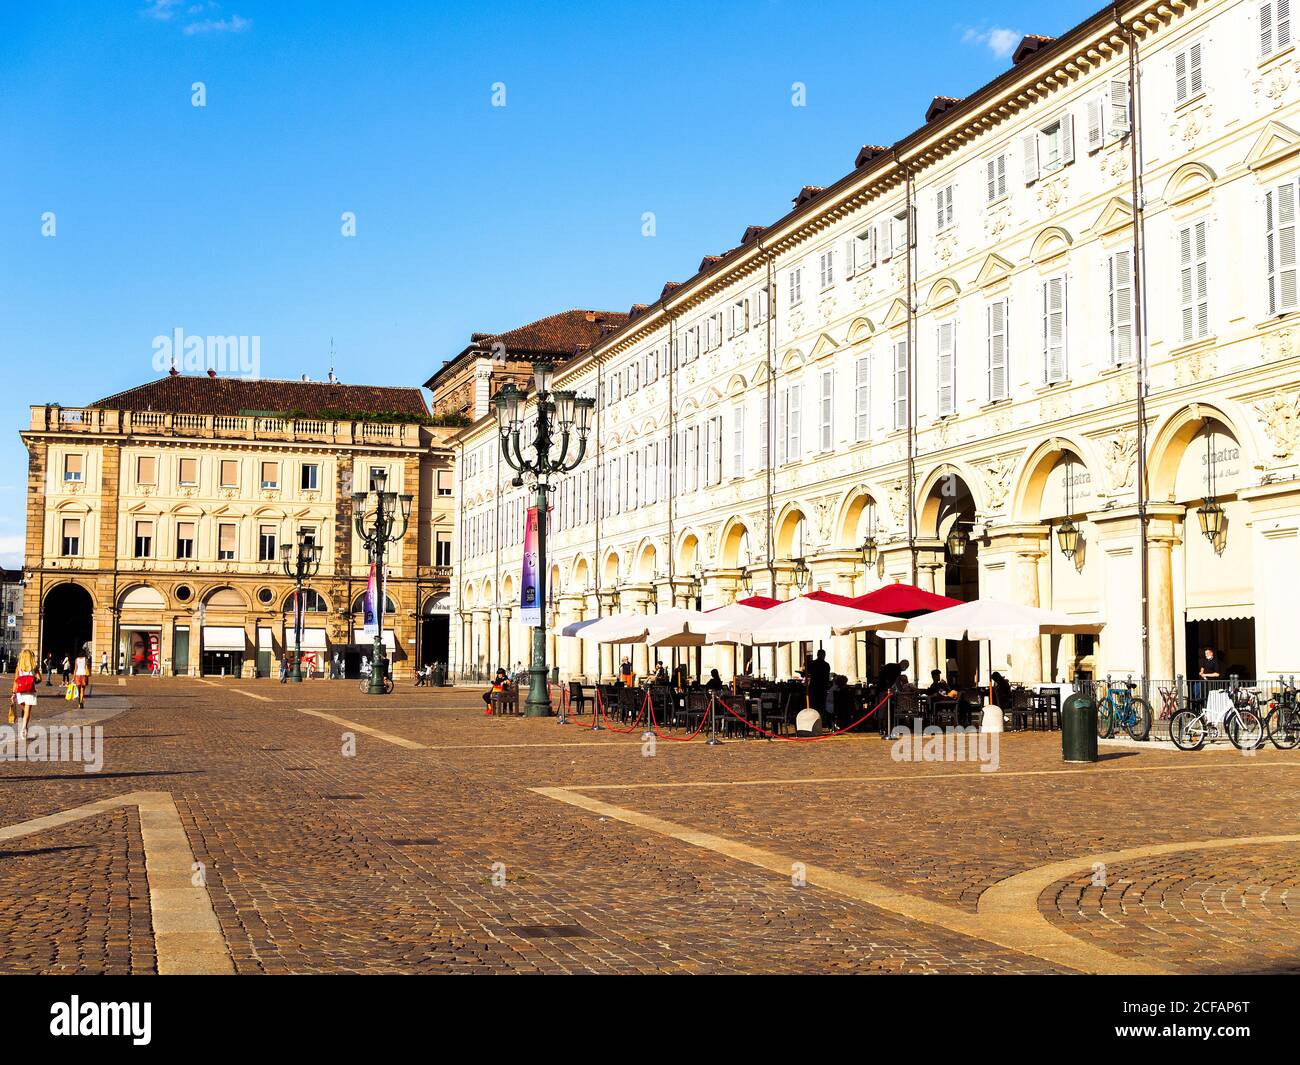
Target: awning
[127, 626]
[312, 639]
[1221, 613]
[223, 638]
[265, 639]
[390, 641]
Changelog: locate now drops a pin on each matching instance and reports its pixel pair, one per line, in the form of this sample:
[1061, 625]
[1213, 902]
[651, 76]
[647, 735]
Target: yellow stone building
[156, 516]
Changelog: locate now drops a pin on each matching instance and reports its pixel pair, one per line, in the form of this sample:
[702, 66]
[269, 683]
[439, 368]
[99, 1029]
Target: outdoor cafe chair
[578, 698]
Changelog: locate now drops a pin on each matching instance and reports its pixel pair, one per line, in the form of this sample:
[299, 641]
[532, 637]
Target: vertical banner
[530, 603]
[369, 615]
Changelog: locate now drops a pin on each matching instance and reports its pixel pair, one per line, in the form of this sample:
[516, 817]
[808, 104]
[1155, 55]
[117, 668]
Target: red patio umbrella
[835, 599]
[902, 601]
[759, 602]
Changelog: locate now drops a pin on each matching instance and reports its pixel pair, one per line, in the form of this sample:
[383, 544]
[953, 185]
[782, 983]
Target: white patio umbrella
[593, 628]
[631, 627]
[993, 619]
[804, 619]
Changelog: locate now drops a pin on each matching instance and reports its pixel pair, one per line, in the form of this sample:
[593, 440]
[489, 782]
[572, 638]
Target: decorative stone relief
[864, 287]
[827, 308]
[1052, 191]
[995, 221]
[897, 498]
[1280, 417]
[823, 515]
[796, 321]
[1189, 126]
[1121, 456]
[1052, 406]
[1273, 86]
[1279, 345]
[997, 481]
[945, 244]
[1199, 365]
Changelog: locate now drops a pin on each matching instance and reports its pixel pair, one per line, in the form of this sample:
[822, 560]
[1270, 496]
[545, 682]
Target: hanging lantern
[869, 551]
[1212, 519]
[801, 574]
[1067, 535]
[747, 583]
[958, 538]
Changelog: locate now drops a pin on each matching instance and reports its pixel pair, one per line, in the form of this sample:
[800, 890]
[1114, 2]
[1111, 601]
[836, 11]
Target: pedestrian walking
[49, 671]
[81, 676]
[65, 667]
[103, 664]
[284, 670]
[24, 690]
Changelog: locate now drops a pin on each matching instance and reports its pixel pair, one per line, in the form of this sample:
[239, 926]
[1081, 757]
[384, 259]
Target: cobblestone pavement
[419, 845]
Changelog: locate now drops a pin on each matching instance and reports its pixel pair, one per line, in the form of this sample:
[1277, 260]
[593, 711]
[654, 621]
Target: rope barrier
[654, 727]
[641, 713]
[804, 739]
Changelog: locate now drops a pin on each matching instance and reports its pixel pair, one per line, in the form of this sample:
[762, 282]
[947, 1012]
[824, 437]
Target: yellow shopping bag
[71, 693]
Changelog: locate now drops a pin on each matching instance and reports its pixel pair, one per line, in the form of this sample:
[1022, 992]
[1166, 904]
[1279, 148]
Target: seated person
[625, 673]
[661, 674]
[500, 683]
[1001, 691]
[808, 723]
[940, 687]
[714, 683]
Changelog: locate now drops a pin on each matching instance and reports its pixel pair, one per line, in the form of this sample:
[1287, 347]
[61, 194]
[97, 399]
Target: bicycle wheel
[1137, 722]
[1187, 730]
[1284, 727]
[1105, 720]
[1245, 730]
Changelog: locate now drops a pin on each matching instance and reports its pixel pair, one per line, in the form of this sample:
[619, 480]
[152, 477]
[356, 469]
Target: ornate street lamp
[1067, 536]
[746, 582]
[376, 514]
[559, 442]
[801, 574]
[302, 567]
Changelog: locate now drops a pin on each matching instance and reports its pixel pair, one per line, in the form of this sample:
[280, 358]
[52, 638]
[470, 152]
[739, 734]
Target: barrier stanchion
[713, 720]
[562, 700]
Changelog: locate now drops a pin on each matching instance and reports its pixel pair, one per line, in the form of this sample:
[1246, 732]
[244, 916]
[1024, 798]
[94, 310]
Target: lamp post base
[539, 696]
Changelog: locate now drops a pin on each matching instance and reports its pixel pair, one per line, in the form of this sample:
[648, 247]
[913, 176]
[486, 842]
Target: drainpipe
[909, 252]
[671, 479]
[1139, 335]
[769, 420]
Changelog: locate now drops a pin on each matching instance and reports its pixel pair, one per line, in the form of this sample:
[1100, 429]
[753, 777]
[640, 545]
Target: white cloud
[998, 40]
[234, 24]
[11, 552]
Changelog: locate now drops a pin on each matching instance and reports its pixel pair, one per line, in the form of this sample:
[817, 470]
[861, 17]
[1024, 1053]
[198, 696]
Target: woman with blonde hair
[24, 690]
[81, 676]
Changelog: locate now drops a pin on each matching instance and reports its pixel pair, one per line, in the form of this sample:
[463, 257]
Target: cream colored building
[954, 334]
[156, 517]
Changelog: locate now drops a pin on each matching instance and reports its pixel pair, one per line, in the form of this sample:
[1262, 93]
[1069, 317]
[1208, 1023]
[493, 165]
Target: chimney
[305, 378]
[590, 316]
[212, 373]
[173, 372]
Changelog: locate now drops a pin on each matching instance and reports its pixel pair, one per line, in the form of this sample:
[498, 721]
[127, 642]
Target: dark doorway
[435, 640]
[66, 621]
[1232, 638]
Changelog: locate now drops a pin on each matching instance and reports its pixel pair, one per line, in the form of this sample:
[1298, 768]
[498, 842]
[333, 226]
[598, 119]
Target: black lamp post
[559, 441]
[302, 566]
[377, 513]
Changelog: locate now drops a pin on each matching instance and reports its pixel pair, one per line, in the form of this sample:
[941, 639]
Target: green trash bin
[439, 677]
[1079, 729]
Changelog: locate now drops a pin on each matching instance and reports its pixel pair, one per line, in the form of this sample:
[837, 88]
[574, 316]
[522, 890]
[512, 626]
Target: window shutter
[947, 369]
[862, 398]
[1054, 330]
[764, 431]
[1029, 145]
[1119, 116]
[738, 440]
[1121, 307]
[848, 258]
[1280, 207]
[1281, 24]
[795, 424]
[1096, 131]
[997, 334]
[900, 385]
[1067, 139]
[1266, 28]
[1180, 76]
[827, 410]
[1194, 80]
[782, 404]
[991, 190]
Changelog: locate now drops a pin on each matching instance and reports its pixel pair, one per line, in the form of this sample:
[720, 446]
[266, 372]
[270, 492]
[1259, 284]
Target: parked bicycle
[1282, 720]
[1121, 709]
[1192, 729]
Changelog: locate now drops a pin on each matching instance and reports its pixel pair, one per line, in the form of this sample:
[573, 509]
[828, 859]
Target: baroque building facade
[156, 516]
[954, 335]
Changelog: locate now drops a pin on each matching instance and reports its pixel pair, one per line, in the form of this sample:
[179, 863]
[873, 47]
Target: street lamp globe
[543, 374]
[958, 539]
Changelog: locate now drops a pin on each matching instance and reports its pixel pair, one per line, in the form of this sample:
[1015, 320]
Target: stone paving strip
[187, 937]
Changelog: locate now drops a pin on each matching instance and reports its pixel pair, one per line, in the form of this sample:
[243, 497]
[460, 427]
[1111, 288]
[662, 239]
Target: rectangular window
[185, 539]
[146, 470]
[1188, 82]
[307, 533]
[793, 423]
[864, 249]
[442, 550]
[444, 482]
[1120, 278]
[1274, 27]
[900, 385]
[714, 465]
[72, 467]
[826, 412]
[187, 473]
[946, 368]
[760, 304]
[862, 398]
[1049, 149]
[739, 316]
[764, 431]
[270, 475]
[796, 285]
[996, 177]
[1280, 211]
[144, 539]
[71, 543]
[826, 266]
[900, 231]
[229, 473]
[1054, 307]
[1193, 265]
[310, 479]
[943, 208]
[997, 350]
[226, 542]
[266, 543]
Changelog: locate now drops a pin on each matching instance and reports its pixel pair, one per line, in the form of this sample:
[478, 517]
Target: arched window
[313, 602]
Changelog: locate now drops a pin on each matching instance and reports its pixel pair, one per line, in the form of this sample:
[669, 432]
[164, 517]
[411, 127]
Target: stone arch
[941, 499]
[735, 545]
[851, 524]
[67, 619]
[1187, 182]
[1032, 479]
[647, 561]
[942, 292]
[736, 385]
[581, 574]
[791, 531]
[1172, 439]
[688, 551]
[792, 360]
[313, 597]
[609, 569]
[141, 595]
[224, 596]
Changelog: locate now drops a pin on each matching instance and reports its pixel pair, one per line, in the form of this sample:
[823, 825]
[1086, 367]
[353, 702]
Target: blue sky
[226, 219]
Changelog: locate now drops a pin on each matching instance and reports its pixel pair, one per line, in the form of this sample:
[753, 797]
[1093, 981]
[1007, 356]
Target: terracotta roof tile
[232, 395]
